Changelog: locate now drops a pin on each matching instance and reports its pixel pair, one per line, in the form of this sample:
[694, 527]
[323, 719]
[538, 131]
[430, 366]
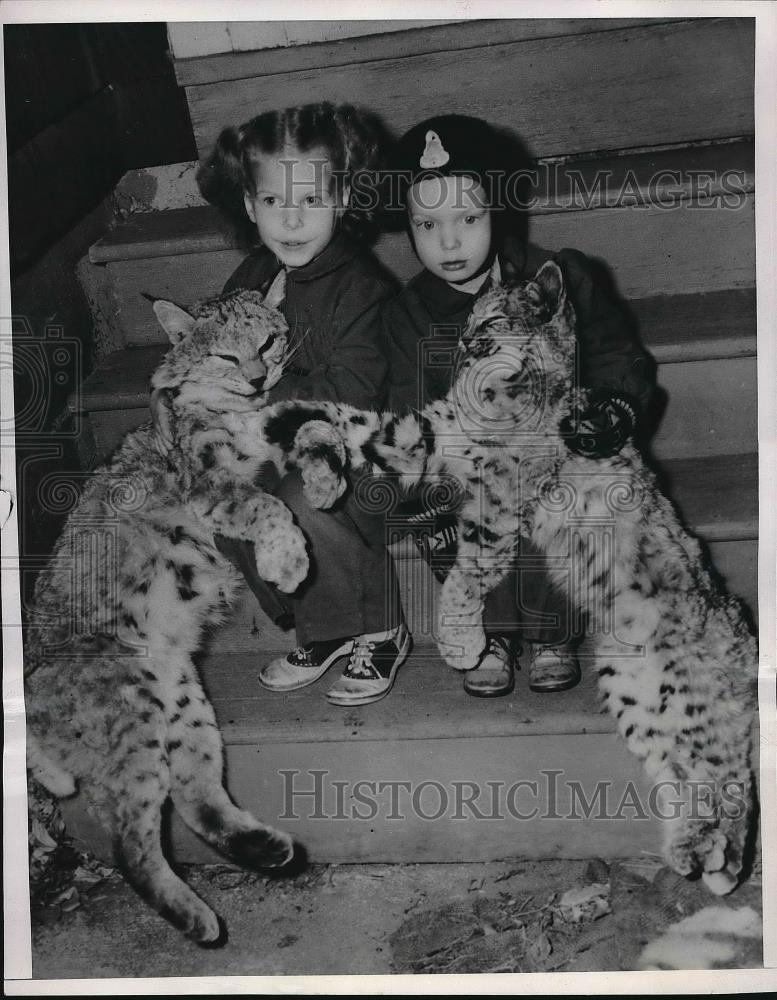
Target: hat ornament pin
[434, 154]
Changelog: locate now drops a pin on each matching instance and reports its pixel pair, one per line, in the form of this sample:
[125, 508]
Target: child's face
[451, 226]
[295, 209]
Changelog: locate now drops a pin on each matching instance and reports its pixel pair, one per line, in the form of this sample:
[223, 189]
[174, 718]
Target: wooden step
[705, 345]
[610, 89]
[613, 208]
[719, 171]
[433, 744]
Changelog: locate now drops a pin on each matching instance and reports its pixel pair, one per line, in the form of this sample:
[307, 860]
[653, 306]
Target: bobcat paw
[462, 646]
[282, 558]
[321, 485]
[319, 453]
[262, 848]
[699, 847]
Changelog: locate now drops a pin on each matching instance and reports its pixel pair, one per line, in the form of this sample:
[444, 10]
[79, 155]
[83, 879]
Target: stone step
[427, 774]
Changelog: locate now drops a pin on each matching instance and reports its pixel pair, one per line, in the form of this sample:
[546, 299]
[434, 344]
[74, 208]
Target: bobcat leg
[460, 637]
[194, 746]
[129, 797]
[281, 556]
[136, 825]
[54, 778]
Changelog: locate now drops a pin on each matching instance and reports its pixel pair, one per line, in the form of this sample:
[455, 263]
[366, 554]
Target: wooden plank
[175, 232]
[737, 564]
[122, 381]
[220, 64]
[424, 785]
[649, 251]
[712, 174]
[655, 252]
[610, 89]
[679, 328]
[712, 409]
[717, 495]
[183, 279]
[698, 327]
[426, 703]
[717, 175]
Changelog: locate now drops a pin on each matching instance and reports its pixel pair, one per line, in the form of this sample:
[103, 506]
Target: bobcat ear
[277, 290]
[175, 321]
[551, 282]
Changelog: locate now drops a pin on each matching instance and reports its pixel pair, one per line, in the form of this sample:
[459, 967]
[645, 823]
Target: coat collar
[338, 252]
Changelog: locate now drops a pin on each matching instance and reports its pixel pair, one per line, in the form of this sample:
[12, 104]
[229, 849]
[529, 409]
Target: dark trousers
[526, 604]
[351, 588]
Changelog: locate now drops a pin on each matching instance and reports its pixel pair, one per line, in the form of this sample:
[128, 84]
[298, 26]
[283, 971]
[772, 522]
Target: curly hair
[353, 140]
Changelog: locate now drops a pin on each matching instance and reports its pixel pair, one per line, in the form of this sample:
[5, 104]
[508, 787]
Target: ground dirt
[381, 919]
[508, 917]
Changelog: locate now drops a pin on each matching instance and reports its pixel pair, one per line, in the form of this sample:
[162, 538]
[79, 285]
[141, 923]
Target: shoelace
[360, 664]
[301, 657]
[499, 646]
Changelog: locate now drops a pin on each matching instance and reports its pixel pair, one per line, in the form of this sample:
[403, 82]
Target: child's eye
[472, 219]
[269, 200]
[313, 199]
[425, 224]
[228, 357]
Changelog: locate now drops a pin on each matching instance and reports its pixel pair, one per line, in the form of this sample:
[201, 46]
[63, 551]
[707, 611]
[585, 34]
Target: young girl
[462, 216]
[290, 176]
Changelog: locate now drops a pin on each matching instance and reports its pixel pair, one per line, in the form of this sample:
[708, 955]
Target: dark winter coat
[332, 306]
[421, 325]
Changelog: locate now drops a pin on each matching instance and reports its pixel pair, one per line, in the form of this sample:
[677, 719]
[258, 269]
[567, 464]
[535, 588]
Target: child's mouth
[293, 244]
[453, 265]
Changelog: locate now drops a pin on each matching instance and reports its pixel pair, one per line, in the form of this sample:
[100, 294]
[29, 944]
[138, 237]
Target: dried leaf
[587, 903]
[538, 946]
[42, 836]
[84, 877]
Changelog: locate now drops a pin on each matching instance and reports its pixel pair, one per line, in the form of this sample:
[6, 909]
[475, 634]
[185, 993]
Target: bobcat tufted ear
[551, 282]
[175, 321]
[277, 290]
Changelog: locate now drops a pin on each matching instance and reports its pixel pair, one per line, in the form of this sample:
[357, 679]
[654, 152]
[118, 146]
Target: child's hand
[602, 428]
[163, 437]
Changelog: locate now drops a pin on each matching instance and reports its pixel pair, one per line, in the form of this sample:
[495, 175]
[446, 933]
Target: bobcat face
[516, 356]
[233, 346]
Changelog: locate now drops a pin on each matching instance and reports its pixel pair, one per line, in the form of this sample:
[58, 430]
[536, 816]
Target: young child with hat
[459, 180]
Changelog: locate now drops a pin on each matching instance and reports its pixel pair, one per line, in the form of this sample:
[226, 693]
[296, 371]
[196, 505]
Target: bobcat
[113, 698]
[676, 663]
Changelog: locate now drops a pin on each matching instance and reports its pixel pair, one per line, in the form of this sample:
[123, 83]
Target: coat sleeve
[354, 369]
[610, 354]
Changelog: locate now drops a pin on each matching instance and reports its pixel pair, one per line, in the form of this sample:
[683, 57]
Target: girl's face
[294, 209]
[451, 226]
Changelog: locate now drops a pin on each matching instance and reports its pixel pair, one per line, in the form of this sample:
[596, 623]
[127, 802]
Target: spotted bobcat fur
[676, 663]
[113, 698]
